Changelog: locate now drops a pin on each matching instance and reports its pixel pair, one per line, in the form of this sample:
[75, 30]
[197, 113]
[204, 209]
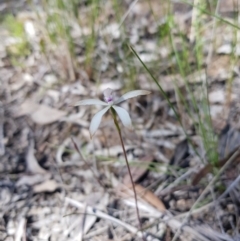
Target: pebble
[184, 204]
[172, 204]
[50, 79]
[181, 204]
[231, 208]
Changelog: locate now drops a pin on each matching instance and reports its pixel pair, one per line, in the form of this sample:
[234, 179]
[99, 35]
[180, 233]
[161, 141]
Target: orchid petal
[131, 94]
[91, 102]
[123, 115]
[96, 120]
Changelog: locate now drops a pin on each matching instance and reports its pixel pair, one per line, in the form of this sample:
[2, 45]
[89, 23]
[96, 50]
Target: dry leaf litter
[49, 191]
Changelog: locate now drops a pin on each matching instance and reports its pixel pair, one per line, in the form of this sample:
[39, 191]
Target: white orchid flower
[111, 103]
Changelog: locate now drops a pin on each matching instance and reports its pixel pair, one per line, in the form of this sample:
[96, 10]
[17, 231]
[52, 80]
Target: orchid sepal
[131, 94]
[96, 120]
[123, 115]
[111, 104]
[91, 102]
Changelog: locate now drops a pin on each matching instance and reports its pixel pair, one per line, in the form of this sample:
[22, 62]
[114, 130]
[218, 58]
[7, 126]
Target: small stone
[50, 79]
[119, 68]
[181, 205]
[231, 208]
[27, 78]
[172, 204]
[29, 29]
[138, 152]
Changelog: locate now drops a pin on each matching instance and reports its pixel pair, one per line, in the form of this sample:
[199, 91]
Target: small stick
[171, 221]
[195, 16]
[93, 211]
[20, 230]
[96, 232]
[230, 160]
[87, 164]
[2, 147]
[83, 223]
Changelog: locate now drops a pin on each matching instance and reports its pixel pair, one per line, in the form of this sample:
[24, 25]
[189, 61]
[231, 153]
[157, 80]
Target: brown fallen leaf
[150, 197]
[147, 195]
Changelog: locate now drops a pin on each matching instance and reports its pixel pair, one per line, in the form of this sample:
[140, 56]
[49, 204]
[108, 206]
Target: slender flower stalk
[124, 117]
[129, 170]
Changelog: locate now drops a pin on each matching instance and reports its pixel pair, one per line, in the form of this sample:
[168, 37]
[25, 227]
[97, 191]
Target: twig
[69, 60]
[83, 223]
[172, 222]
[212, 234]
[216, 208]
[195, 15]
[166, 190]
[2, 147]
[126, 14]
[230, 188]
[96, 232]
[20, 230]
[93, 211]
[210, 51]
[235, 154]
[207, 206]
[87, 164]
[199, 210]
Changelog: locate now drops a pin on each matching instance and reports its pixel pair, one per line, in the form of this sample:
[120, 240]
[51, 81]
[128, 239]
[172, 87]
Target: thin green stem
[169, 102]
[212, 14]
[129, 170]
